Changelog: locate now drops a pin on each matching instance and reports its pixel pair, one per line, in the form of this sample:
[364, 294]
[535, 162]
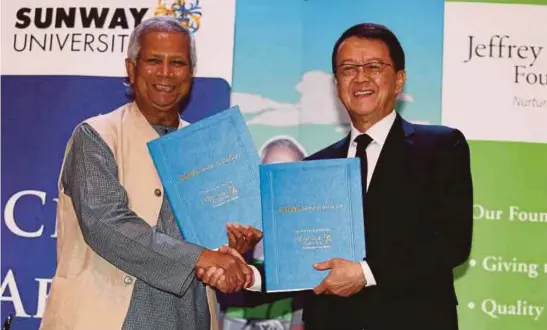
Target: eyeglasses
[370, 69]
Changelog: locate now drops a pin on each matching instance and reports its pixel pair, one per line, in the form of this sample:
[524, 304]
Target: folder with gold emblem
[312, 211]
[209, 171]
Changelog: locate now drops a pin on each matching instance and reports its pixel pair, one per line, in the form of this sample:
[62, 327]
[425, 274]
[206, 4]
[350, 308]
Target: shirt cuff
[257, 285]
[368, 274]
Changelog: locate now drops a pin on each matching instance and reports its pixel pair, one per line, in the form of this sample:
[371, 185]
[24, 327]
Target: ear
[336, 85]
[130, 68]
[400, 81]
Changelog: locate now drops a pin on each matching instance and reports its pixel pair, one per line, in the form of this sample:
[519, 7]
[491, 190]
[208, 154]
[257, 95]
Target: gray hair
[282, 141]
[162, 24]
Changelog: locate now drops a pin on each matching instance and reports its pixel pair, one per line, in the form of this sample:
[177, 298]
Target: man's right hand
[226, 271]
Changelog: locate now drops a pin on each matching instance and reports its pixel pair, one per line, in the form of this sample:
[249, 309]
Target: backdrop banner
[63, 63]
[495, 91]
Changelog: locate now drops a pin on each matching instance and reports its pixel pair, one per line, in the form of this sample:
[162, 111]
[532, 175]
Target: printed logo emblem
[187, 12]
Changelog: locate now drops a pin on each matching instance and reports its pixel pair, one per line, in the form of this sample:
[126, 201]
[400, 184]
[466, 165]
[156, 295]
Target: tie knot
[363, 141]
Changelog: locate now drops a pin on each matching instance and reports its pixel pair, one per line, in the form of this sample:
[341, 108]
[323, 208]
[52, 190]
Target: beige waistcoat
[87, 292]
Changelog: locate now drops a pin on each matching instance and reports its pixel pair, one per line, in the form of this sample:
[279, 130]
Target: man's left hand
[242, 238]
[346, 278]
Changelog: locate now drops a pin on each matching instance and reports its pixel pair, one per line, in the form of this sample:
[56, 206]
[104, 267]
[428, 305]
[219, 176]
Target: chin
[362, 107]
[160, 106]
[166, 101]
[362, 112]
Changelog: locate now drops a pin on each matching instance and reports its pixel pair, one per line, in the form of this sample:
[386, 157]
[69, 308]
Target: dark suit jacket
[418, 224]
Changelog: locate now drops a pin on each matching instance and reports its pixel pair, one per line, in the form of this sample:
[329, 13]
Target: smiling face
[366, 81]
[162, 74]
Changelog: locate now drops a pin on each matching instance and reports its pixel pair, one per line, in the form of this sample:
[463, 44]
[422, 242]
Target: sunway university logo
[187, 12]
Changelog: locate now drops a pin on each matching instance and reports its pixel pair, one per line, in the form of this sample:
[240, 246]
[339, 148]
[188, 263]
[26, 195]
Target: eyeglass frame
[363, 66]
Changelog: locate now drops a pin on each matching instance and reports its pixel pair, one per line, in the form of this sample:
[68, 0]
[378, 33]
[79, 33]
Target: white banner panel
[92, 39]
[495, 73]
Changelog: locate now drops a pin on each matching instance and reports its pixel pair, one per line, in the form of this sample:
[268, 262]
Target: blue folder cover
[209, 171]
[312, 211]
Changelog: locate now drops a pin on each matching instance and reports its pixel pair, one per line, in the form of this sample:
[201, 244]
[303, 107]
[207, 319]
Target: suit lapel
[339, 149]
[388, 169]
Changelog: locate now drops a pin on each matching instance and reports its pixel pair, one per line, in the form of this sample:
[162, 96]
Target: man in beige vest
[121, 261]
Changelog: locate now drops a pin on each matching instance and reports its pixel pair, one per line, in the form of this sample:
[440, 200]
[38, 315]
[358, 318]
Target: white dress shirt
[378, 132]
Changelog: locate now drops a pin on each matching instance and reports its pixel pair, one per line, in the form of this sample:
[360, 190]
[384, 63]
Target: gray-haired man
[122, 263]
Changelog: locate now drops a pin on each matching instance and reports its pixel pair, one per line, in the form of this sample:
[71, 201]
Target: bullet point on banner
[472, 262]
[471, 305]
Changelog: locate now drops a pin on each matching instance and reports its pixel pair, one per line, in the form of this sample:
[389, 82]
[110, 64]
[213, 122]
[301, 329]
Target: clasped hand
[226, 269]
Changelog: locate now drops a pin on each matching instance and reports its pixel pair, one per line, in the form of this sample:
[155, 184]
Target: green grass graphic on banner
[521, 2]
[504, 284]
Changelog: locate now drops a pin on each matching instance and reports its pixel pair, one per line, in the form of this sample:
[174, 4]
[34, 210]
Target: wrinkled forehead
[356, 49]
[165, 42]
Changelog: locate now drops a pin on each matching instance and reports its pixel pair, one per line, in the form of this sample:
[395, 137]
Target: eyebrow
[349, 61]
[182, 56]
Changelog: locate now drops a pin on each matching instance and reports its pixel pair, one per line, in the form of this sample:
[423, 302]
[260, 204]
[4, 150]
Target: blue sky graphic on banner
[282, 68]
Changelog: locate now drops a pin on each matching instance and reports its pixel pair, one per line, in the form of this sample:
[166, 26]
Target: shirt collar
[161, 129]
[378, 132]
[183, 123]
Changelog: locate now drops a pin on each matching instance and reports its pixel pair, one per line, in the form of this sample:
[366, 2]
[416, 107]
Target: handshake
[225, 269]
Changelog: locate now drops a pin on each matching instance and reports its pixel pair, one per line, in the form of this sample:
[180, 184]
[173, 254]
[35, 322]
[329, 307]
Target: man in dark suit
[417, 195]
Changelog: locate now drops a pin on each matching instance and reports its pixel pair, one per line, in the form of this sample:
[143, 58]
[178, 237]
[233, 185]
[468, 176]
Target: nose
[361, 76]
[164, 69]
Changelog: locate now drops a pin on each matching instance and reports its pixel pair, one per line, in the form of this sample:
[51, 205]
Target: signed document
[209, 171]
[312, 211]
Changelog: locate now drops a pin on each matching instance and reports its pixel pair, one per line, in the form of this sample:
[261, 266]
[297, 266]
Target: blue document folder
[312, 211]
[209, 171]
